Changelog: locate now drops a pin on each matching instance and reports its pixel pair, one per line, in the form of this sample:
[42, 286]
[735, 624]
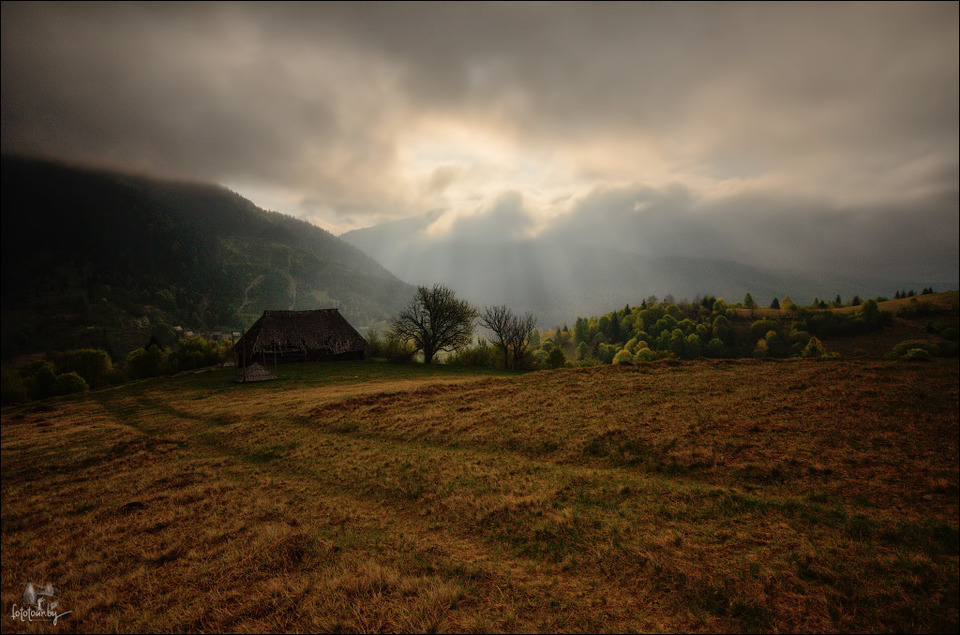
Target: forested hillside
[103, 259]
[710, 327]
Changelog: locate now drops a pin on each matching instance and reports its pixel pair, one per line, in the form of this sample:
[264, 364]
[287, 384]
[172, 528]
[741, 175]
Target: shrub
[92, 364]
[650, 355]
[761, 350]
[814, 349]
[917, 353]
[197, 352]
[41, 380]
[149, 362]
[12, 387]
[482, 355]
[904, 347]
[605, 353]
[69, 383]
[556, 358]
[623, 356]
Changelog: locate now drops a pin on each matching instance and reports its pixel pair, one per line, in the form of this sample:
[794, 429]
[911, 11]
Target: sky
[769, 126]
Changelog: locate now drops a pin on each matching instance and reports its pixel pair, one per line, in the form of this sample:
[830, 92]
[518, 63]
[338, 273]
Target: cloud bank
[771, 129]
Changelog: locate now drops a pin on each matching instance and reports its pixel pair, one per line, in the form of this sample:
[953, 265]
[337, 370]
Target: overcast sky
[352, 114]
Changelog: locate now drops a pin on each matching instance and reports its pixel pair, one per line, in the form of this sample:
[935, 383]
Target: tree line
[90, 368]
[436, 321]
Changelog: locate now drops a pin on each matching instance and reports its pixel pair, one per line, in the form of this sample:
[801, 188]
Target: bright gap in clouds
[464, 171]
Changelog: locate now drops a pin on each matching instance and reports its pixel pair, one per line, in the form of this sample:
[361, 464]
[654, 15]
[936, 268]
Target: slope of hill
[703, 497]
[99, 258]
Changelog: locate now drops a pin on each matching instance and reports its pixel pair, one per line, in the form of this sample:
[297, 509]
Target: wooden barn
[298, 336]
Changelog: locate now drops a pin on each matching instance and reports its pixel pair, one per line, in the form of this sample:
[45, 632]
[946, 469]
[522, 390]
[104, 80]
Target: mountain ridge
[560, 277]
[89, 250]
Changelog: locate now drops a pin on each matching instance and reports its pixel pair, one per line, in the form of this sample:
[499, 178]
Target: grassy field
[701, 496]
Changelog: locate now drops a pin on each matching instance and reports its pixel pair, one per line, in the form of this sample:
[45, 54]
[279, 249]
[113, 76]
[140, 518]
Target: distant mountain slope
[109, 254]
[561, 275]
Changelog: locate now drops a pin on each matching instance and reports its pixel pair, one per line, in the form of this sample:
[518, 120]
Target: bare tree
[520, 330]
[498, 319]
[435, 320]
[512, 332]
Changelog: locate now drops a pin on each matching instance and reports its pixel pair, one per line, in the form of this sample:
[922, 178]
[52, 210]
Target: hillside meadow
[707, 496]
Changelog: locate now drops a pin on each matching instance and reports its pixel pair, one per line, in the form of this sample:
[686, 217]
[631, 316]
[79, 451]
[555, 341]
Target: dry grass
[739, 496]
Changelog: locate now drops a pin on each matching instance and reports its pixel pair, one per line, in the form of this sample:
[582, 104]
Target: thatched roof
[254, 372]
[300, 335]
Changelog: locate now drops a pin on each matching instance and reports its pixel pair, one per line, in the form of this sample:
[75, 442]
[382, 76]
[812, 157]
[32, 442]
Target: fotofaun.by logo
[39, 605]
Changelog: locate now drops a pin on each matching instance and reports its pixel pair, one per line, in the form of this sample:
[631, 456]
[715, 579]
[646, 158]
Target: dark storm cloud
[848, 108]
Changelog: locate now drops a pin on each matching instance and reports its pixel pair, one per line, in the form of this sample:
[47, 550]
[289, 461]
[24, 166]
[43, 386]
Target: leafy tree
[872, 316]
[715, 348]
[692, 346]
[605, 353]
[583, 351]
[556, 359]
[435, 320]
[748, 301]
[721, 327]
[678, 343]
[776, 345]
[687, 325]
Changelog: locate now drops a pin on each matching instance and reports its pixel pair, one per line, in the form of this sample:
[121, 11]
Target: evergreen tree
[580, 331]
